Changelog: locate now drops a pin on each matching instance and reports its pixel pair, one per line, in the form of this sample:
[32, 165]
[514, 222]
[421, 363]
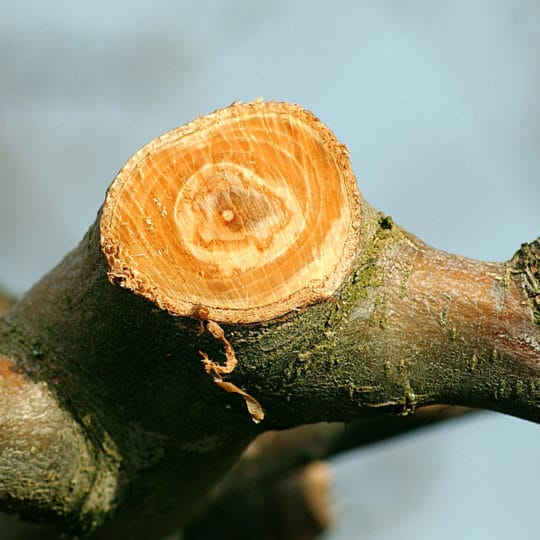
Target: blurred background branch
[281, 487]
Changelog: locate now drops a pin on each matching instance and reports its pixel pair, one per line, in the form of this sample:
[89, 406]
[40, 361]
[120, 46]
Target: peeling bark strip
[246, 223]
[217, 371]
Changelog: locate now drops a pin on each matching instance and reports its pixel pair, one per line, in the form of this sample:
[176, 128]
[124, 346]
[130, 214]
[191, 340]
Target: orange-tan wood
[240, 216]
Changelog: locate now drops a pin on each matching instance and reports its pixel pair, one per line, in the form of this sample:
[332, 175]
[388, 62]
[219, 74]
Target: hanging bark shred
[218, 370]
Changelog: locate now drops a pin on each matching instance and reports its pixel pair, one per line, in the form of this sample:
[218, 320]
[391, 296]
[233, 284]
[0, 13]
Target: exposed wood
[246, 213]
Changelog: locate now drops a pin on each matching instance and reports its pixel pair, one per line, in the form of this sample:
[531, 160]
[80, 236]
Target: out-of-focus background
[438, 103]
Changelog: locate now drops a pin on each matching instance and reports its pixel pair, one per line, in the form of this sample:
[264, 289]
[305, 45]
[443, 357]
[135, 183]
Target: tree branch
[282, 470]
[112, 426]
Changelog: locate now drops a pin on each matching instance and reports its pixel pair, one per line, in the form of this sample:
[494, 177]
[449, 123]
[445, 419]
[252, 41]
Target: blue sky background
[438, 104]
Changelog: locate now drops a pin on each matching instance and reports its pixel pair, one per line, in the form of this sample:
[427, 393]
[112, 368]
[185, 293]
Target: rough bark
[110, 421]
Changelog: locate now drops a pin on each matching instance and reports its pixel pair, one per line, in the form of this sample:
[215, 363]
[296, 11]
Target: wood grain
[249, 213]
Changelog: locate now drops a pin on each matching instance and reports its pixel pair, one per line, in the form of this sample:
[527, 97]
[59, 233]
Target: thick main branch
[110, 421]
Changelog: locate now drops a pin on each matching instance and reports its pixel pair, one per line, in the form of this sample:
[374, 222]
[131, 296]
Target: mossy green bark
[147, 433]
[526, 263]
